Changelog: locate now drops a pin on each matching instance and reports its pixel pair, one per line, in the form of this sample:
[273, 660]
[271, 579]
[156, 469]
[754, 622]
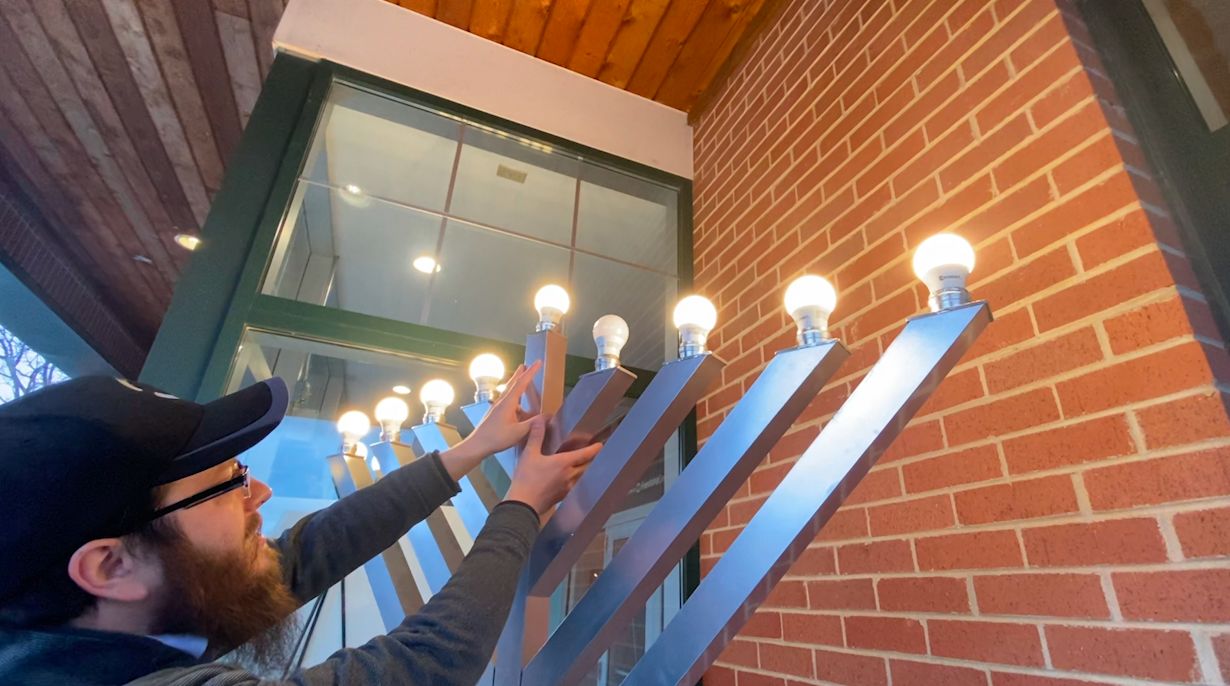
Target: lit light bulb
[401, 390]
[426, 264]
[810, 300]
[352, 425]
[436, 395]
[695, 317]
[610, 335]
[943, 262]
[188, 241]
[552, 303]
[391, 412]
[486, 370]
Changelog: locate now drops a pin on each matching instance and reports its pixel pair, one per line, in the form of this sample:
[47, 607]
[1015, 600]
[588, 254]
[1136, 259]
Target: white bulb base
[390, 431]
[813, 325]
[948, 298]
[549, 319]
[485, 389]
[692, 341]
[434, 413]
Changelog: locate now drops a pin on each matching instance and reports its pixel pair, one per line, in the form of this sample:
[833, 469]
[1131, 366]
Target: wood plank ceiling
[117, 116]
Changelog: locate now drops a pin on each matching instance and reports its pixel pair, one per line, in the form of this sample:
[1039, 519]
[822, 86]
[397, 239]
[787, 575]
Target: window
[22, 369]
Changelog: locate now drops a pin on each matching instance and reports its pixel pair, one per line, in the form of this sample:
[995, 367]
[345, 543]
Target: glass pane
[384, 148]
[1197, 35]
[487, 281]
[643, 298]
[628, 218]
[517, 185]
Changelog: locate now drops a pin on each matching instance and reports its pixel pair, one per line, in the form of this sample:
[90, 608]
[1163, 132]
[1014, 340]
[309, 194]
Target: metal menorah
[874, 414]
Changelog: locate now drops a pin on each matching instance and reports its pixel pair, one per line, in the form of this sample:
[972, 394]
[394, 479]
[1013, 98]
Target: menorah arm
[871, 418]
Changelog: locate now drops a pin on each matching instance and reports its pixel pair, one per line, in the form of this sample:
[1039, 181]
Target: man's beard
[227, 600]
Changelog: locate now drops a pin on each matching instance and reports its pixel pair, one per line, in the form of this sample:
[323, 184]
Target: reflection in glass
[1197, 36]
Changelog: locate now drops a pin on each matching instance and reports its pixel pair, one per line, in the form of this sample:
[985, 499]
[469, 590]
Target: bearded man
[130, 546]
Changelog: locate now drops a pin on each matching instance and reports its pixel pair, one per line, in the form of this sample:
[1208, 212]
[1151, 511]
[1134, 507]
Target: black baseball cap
[78, 460]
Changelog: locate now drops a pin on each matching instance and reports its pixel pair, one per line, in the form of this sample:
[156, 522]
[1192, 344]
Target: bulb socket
[549, 319]
[692, 341]
[813, 325]
[485, 389]
[348, 445]
[390, 431]
[948, 298]
[606, 362]
[434, 413]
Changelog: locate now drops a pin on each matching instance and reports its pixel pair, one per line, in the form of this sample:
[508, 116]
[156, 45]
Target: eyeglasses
[240, 480]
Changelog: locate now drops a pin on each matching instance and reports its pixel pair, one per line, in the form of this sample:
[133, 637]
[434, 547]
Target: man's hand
[541, 481]
[505, 425]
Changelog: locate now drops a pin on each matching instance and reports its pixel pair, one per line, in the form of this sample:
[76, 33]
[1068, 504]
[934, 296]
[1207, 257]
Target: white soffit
[391, 42]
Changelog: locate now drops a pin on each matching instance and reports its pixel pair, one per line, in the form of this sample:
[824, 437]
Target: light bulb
[610, 335]
[188, 241]
[552, 303]
[355, 196]
[391, 412]
[436, 395]
[352, 425]
[695, 317]
[426, 264]
[943, 262]
[401, 390]
[486, 370]
[810, 300]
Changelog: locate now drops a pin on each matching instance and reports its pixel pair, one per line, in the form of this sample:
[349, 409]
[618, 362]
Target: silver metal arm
[868, 422]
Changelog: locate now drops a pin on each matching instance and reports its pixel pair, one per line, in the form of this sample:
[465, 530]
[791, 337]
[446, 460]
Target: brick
[1115, 238]
[923, 594]
[951, 469]
[763, 624]
[999, 642]
[1045, 360]
[955, 389]
[720, 676]
[979, 550]
[1184, 595]
[1186, 420]
[1204, 533]
[875, 558]
[1029, 278]
[1007, 330]
[811, 628]
[1088, 441]
[740, 652]
[951, 212]
[1001, 416]
[787, 594]
[847, 668]
[1028, 85]
[886, 633]
[917, 438]
[841, 594]
[924, 514]
[936, 154]
[878, 485]
[1048, 146]
[815, 561]
[1168, 479]
[755, 679]
[1049, 595]
[985, 152]
[1090, 161]
[786, 659]
[1151, 324]
[1145, 274]
[1014, 679]
[908, 672]
[1007, 210]
[845, 524]
[1144, 653]
[1221, 646]
[1116, 541]
[1052, 495]
[1150, 376]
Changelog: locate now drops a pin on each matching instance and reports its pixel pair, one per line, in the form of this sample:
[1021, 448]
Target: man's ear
[107, 569]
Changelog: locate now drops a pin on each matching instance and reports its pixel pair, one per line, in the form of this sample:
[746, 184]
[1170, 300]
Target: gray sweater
[449, 641]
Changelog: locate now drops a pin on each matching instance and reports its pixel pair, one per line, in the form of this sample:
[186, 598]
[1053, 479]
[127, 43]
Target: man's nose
[261, 493]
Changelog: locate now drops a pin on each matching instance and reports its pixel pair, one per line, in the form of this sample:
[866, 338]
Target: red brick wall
[1061, 507]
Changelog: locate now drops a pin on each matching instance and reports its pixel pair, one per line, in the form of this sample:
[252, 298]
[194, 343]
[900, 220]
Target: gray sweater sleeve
[325, 546]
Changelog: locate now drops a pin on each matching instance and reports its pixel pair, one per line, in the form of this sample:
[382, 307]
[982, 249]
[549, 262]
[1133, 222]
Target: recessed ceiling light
[142, 259]
[426, 264]
[401, 390]
[353, 195]
[187, 241]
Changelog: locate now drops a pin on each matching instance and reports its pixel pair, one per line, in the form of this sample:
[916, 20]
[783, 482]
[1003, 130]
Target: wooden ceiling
[117, 116]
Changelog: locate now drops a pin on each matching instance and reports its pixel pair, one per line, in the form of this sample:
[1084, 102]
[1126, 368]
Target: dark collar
[52, 657]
